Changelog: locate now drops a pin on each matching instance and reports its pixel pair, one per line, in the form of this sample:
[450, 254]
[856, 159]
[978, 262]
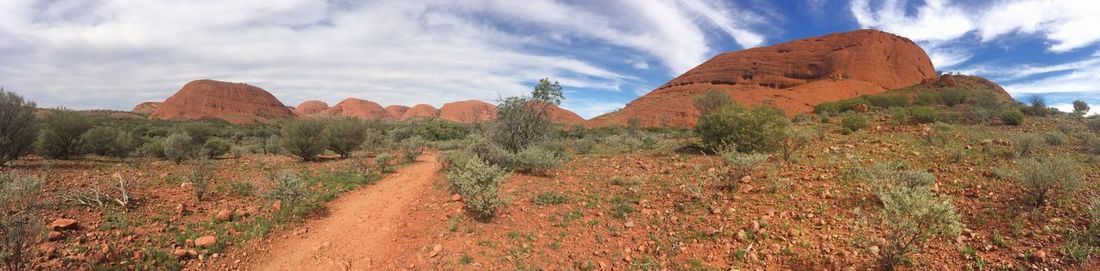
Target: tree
[522, 121]
[199, 131]
[1080, 107]
[17, 126]
[99, 140]
[345, 136]
[62, 131]
[179, 147]
[304, 138]
[215, 147]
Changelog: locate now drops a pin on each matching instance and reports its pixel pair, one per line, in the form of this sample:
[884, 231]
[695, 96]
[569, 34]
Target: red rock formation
[394, 112]
[469, 111]
[352, 107]
[792, 76]
[560, 115]
[146, 108]
[311, 107]
[233, 102]
[420, 111]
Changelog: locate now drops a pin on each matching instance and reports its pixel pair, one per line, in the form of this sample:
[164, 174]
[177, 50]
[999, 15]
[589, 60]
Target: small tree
[179, 147]
[345, 136]
[201, 172]
[61, 135]
[752, 130]
[1047, 178]
[711, 100]
[215, 147]
[17, 126]
[1080, 107]
[911, 216]
[304, 138]
[414, 146]
[793, 141]
[19, 226]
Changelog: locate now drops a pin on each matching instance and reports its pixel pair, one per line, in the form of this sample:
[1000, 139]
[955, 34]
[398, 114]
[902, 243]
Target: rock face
[311, 107]
[561, 116]
[236, 103]
[468, 111]
[420, 111]
[395, 112]
[146, 108]
[359, 108]
[792, 76]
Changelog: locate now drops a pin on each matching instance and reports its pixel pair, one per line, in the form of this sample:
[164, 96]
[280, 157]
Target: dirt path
[360, 229]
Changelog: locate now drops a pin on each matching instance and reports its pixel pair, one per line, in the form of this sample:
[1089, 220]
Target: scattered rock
[456, 197]
[55, 235]
[224, 215]
[435, 250]
[629, 224]
[63, 224]
[1039, 256]
[206, 241]
[184, 253]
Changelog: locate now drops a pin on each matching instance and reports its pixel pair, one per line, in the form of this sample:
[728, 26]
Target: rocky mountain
[359, 108]
[233, 102]
[395, 112]
[146, 108]
[468, 111]
[311, 107]
[420, 111]
[792, 76]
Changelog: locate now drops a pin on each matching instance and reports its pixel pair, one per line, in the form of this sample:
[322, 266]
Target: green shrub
[1044, 179]
[18, 129]
[927, 98]
[522, 121]
[583, 145]
[200, 175]
[751, 130]
[215, 147]
[924, 114]
[414, 146]
[153, 148]
[711, 100]
[199, 131]
[345, 136]
[272, 145]
[1012, 117]
[179, 147]
[841, 106]
[883, 177]
[242, 189]
[1037, 106]
[1090, 143]
[1093, 123]
[304, 138]
[550, 198]
[478, 183]
[888, 100]
[61, 133]
[793, 141]
[912, 216]
[383, 161]
[105, 141]
[19, 220]
[854, 122]
[1055, 138]
[900, 115]
[1025, 143]
[538, 160]
[741, 164]
[289, 188]
[953, 96]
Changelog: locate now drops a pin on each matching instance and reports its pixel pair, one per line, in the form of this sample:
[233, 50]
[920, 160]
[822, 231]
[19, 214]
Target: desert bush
[924, 114]
[537, 160]
[912, 216]
[304, 138]
[179, 147]
[19, 219]
[888, 100]
[215, 147]
[521, 121]
[988, 100]
[583, 145]
[1044, 179]
[740, 164]
[200, 175]
[289, 188]
[927, 98]
[1055, 138]
[478, 183]
[953, 96]
[383, 162]
[18, 129]
[711, 100]
[345, 136]
[105, 141]
[1093, 123]
[1090, 143]
[752, 130]
[1025, 143]
[199, 131]
[1036, 106]
[272, 145]
[841, 106]
[1012, 117]
[794, 140]
[1080, 107]
[94, 197]
[550, 198]
[414, 146]
[153, 148]
[854, 122]
[61, 133]
[883, 177]
[238, 152]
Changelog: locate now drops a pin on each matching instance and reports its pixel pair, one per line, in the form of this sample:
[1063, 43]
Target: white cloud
[95, 54]
[1069, 24]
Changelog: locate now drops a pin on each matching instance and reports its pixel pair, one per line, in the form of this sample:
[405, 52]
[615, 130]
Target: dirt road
[361, 227]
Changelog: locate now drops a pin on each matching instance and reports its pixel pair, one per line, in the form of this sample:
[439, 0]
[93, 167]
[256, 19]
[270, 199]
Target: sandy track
[360, 229]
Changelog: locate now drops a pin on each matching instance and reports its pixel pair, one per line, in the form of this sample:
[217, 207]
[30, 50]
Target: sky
[114, 54]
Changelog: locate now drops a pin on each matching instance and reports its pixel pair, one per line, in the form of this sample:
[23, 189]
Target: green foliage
[19, 220]
[793, 141]
[179, 147]
[1037, 106]
[478, 183]
[885, 176]
[289, 188]
[18, 129]
[1080, 107]
[1090, 143]
[711, 100]
[153, 148]
[61, 133]
[741, 164]
[1012, 117]
[535, 159]
[1025, 143]
[888, 100]
[1093, 123]
[758, 129]
[854, 122]
[199, 131]
[414, 146]
[242, 188]
[1055, 138]
[304, 138]
[383, 161]
[520, 124]
[583, 145]
[841, 106]
[548, 92]
[200, 175]
[106, 141]
[1044, 179]
[924, 114]
[953, 96]
[912, 216]
[927, 98]
[215, 147]
[345, 136]
[550, 198]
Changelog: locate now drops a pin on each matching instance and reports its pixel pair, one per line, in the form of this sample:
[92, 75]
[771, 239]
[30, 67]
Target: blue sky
[115, 54]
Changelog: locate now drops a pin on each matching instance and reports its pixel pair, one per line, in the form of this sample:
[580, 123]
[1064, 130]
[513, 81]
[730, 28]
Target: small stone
[224, 215]
[278, 205]
[55, 235]
[629, 224]
[1039, 256]
[755, 226]
[456, 197]
[63, 224]
[206, 241]
[435, 250]
[301, 231]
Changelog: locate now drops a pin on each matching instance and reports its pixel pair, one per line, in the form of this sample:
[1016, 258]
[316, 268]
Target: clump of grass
[550, 198]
